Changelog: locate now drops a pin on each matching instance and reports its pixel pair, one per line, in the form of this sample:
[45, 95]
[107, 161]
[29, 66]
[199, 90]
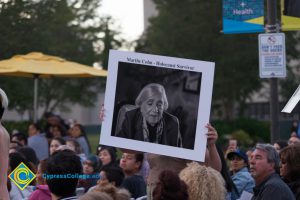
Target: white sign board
[288, 108]
[157, 104]
[272, 55]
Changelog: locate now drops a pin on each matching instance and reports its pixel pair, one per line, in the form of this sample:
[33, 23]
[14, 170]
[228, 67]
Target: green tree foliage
[258, 130]
[64, 28]
[110, 41]
[192, 29]
[291, 82]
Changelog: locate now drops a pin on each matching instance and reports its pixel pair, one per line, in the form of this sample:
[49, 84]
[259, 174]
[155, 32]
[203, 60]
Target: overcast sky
[128, 14]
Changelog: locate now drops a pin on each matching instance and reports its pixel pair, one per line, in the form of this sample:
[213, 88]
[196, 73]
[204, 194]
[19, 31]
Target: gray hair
[148, 91]
[4, 99]
[272, 154]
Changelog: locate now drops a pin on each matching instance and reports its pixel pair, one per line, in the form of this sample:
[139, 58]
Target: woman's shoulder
[244, 174]
[133, 114]
[81, 140]
[132, 111]
[170, 117]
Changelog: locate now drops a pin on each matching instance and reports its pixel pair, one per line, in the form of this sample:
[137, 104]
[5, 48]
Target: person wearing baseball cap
[4, 148]
[240, 173]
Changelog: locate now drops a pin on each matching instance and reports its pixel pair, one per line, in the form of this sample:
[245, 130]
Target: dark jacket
[135, 185]
[132, 128]
[292, 8]
[273, 188]
[295, 187]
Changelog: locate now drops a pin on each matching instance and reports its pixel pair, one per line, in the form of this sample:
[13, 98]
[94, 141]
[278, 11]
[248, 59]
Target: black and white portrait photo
[156, 104]
[148, 120]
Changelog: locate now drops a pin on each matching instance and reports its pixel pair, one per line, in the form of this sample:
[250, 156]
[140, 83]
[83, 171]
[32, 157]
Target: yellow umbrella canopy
[38, 65]
[46, 66]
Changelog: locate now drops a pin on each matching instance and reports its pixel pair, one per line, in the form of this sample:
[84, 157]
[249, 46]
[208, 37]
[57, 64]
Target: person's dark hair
[29, 154]
[170, 187]
[43, 165]
[78, 149]
[15, 159]
[16, 147]
[282, 143]
[114, 174]
[139, 157]
[101, 147]
[83, 133]
[63, 163]
[229, 184]
[37, 126]
[43, 168]
[20, 136]
[60, 128]
[95, 162]
[60, 140]
[112, 152]
[8, 185]
[48, 114]
[291, 156]
[1, 112]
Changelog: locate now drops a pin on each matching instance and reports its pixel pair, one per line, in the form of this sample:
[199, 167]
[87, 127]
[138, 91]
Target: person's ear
[272, 166]
[138, 165]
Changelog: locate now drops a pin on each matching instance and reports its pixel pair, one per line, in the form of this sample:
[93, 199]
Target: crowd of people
[57, 150]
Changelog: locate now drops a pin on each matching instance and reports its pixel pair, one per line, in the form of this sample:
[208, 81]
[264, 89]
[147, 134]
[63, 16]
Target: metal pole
[274, 110]
[35, 95]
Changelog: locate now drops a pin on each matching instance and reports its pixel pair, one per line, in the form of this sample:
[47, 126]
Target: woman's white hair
[4, 99]
[148, 91]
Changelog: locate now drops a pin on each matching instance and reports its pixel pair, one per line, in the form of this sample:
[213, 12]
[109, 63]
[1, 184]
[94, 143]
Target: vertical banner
[243, 16]
[290, 15]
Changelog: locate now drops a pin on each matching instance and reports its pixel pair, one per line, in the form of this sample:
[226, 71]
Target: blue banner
[243, 16]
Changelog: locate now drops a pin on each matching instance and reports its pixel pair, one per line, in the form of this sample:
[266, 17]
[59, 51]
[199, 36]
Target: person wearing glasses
[240, 173]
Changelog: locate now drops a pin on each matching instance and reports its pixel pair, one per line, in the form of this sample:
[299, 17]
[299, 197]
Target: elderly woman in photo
[151, 122]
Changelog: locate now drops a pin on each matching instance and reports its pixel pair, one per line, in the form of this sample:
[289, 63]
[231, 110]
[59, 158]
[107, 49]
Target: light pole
[271, 27]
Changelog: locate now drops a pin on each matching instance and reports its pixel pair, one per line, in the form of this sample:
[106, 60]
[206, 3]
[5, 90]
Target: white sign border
[207, 70]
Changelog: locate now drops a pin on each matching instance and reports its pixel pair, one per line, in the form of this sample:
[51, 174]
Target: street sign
[272, 63]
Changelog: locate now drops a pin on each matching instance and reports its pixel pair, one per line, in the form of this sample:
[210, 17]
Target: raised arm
[212, 157]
